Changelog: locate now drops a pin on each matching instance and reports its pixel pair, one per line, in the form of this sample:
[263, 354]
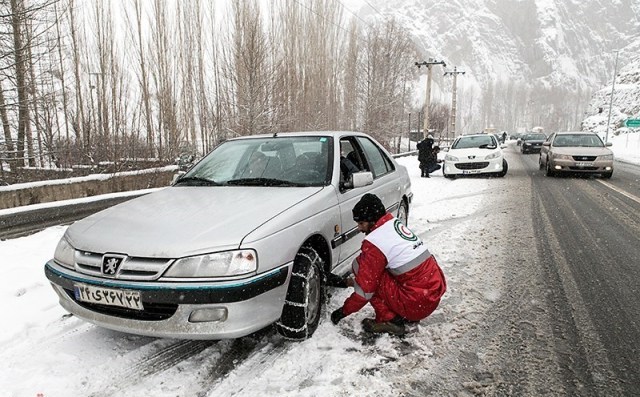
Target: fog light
[607, 168]
[558, 167]
[208, 315]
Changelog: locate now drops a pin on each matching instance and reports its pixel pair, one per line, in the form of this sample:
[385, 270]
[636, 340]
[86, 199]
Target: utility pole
[427, 101]
[613, 87]
[455, 74]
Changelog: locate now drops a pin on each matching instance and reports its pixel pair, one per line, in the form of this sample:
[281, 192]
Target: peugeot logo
[472, 157]
[111, 264]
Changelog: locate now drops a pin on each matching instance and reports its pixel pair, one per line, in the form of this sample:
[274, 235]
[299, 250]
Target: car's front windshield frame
[281, 161]
[475, 142]
[577, 140]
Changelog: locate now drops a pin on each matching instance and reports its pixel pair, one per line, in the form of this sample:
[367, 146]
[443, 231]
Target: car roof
[334, 134]
[575, 133]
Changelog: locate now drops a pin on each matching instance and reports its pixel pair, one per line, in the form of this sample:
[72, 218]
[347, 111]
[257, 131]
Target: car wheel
[403, 213]
[540, 166]
[505, 168]
[301, 312]
[548, 168]
[607, 175]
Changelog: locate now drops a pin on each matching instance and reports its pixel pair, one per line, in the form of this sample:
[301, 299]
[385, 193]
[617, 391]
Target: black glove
[337, 315]
[333, 280]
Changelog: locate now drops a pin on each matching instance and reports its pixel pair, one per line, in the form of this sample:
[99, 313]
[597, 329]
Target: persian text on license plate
[471, 171]
[108, 296]
[583, 164]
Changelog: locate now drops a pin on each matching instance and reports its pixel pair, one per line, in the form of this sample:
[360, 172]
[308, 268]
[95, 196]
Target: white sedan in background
[475, 154]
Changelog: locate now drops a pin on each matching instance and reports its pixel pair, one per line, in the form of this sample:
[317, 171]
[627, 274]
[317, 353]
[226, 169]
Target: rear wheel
[301, 312]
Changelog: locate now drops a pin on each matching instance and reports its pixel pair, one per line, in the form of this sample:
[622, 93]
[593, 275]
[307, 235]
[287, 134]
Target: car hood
[582, 151]
[463, 154]
[183, 221]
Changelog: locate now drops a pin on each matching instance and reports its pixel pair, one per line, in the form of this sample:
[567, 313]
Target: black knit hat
[368, 209]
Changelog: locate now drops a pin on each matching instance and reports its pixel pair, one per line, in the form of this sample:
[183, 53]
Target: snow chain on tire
[293, 322]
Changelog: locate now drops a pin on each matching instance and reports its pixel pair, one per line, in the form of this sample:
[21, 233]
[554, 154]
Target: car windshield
[475, 141]
[535, 137]
[279, 161]
[582, 140]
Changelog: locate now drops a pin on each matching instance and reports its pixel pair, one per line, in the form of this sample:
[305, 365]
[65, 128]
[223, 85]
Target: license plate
[470, 171]
[108, 296]
[582, 164]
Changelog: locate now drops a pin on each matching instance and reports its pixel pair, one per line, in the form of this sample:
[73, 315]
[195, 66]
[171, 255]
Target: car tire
[549, 172]
[403, 213]
[302, 307]
[540, 166]
[607, 175]
[505, 168]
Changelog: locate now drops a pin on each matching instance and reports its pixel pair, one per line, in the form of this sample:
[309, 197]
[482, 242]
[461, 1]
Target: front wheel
[505, 168]
[301, 312]
[548, 169]
[607, 175]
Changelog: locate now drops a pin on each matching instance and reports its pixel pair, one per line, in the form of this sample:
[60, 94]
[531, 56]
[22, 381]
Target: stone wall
[64, 189]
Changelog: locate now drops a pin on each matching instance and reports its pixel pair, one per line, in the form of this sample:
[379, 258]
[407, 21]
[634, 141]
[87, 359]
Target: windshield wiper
[196, 181]
[264, 182]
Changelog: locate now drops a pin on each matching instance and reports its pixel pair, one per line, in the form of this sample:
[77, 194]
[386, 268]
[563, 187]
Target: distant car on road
[531, 143]
[475, 154]
[580, 152]
[242, 240]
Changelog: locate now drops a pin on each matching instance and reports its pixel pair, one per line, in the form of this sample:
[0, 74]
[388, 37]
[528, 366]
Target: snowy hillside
[537, 60]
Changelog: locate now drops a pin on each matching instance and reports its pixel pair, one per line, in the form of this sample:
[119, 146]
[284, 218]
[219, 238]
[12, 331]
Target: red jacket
[413, 294]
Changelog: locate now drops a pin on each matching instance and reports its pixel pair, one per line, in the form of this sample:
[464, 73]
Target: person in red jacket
[395, 272]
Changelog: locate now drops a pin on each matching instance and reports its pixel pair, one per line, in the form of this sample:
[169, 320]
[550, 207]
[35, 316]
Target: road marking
[622, 192]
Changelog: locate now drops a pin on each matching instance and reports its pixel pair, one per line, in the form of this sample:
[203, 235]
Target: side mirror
[361, 179]
[503, 146]
[176, 176]
[547, 143]
[609, 144]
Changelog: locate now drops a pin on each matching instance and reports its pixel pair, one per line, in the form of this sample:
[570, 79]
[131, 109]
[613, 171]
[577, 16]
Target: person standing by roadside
[431, 163]
[395, 273]
[425, 147]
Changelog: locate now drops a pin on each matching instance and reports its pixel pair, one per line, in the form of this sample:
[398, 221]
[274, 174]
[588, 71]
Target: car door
[367, 156]
[544, 150]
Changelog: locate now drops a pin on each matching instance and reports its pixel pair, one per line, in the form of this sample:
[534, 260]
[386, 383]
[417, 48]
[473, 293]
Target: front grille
[472, 166]
[151, 312]
[585, 158]
[132, 268]
[583, 168]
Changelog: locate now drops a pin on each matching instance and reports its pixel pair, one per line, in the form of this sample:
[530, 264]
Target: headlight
[526, 144]
[64, 254]
[449, 157]
[492, 156]
[562, 157]
[219, 264]
[606, 157]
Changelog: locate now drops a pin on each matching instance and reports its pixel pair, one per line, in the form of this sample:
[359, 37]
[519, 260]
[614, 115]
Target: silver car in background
[576, 152]
[242, 240]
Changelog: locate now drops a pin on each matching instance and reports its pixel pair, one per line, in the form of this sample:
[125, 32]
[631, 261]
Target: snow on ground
[45, 351]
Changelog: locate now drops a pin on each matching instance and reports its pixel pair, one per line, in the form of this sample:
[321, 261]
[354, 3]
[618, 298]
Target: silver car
[579, 152]
[242, 240]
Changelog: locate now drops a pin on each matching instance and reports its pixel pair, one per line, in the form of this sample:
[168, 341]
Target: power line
[373, 8]
[322, 16]
[354, 14]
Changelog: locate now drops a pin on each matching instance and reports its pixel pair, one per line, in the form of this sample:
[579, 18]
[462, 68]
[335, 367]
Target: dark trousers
[429, 168]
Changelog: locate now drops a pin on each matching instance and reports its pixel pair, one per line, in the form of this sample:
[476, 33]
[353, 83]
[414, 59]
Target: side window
[379, 164]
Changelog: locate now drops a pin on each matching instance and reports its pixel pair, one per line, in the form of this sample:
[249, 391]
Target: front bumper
[473, 167]
[250, 304]
[593, 167]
